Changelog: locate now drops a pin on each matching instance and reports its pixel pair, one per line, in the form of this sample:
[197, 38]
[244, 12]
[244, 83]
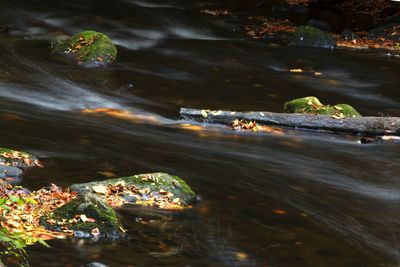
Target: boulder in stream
[91, 213]
[87, 216]
[312, 105]
[312, 37]
[151, 189]
[88, 49]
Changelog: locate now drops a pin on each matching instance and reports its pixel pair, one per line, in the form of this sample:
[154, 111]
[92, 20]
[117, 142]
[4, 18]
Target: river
[297, 199]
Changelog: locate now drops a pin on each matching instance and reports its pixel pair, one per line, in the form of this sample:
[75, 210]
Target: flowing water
[298, 199]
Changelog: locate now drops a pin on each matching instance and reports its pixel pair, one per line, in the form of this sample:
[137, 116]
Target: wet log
[367, 126]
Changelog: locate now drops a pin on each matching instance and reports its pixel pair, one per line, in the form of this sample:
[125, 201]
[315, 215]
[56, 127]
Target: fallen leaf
[84, 218]
[101, 189]
[279, 212]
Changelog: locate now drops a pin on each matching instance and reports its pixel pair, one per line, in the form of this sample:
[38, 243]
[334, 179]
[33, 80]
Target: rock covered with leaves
[86, 210]
[12, 163]
[87, 48]
[159, 190]
[312, 105]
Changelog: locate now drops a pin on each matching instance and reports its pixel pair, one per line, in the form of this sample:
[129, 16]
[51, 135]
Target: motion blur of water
[340, 198]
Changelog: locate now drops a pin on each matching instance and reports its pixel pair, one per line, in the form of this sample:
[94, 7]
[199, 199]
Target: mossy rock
[312, 105]
[106, 220]
[312, 37]
[88, 48]
[17, 159]
[155, 182]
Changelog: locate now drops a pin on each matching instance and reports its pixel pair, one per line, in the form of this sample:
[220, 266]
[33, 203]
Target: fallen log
[368, 126]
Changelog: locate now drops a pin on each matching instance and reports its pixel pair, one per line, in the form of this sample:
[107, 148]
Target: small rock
[88, 49]
[130, 198]
[319, 24]
[17, 159]
[9, 171]
[312, 37]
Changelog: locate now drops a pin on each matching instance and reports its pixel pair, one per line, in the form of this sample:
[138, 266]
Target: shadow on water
[300, 199]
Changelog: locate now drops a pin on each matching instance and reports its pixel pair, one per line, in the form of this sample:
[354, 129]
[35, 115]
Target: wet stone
[9, 171]
[87, 49]
[312, 37]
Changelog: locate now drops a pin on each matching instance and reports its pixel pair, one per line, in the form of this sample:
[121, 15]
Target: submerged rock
[312, 37]
[88, 48]
[311, 105]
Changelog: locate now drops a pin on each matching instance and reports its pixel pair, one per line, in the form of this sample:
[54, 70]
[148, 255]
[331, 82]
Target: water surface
[341, 199]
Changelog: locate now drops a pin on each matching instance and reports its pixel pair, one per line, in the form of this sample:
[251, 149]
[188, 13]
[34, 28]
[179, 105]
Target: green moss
[311, 105]
[88, 48]
[154, 181]
[105, 217]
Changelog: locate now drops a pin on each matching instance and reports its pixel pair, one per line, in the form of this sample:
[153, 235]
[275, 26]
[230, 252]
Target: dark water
[341, 198]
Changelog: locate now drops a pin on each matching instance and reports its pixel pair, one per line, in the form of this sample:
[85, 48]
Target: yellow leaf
[296, 70]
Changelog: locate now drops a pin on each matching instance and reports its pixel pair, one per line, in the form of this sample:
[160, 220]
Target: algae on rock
[102, 220]
[311, 105]
[88, 49]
